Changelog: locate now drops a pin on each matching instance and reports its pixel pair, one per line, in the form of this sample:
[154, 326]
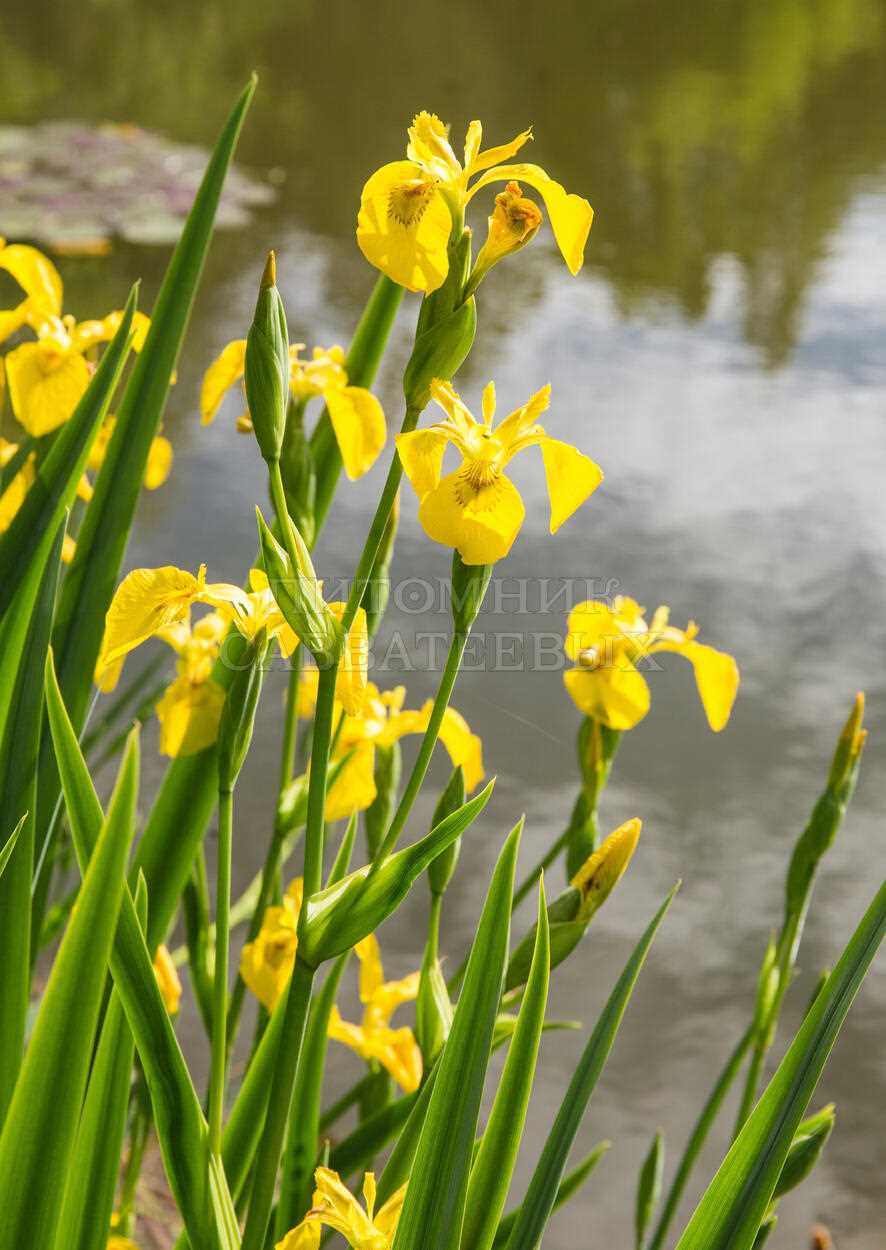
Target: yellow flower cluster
[266, 965]
[336, 1207]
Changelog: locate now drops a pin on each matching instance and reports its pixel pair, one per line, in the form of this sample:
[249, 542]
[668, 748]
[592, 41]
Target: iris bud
[267, 365]
[299, 597]
[238, 713]
[809, 1141]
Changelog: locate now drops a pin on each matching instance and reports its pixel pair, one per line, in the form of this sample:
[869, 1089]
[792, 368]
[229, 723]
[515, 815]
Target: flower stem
[316, 814]
[298, 1001]
[377, 528]
[220, 984]
[428, 742]
[281, 511]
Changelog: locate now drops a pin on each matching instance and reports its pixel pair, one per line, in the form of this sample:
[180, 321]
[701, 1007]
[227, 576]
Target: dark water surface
[721, 356]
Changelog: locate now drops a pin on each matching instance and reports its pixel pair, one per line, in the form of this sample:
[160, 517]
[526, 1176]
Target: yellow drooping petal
[146, 601]
[570, 215]
[480, 523]
[359, 424]
[395, 1049]
[159, 463]
[354, 787]
[716, 677]
[465, 748]
[421, 454]
[45, 385]
[403, 226]
[615, 695]
[266, 964]
[189, 716]
[221, 375]
[167, 979]
[571, 477]
[306, 1236]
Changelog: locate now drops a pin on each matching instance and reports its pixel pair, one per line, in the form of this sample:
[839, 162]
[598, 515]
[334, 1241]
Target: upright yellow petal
[494, 156]
[570, 215]
[372, 973]
[421, 454]
[481, 524]
[38, 278]
[571, 477]
[359, 424]
[387, 1219]
[189, 716]
[146, 601]
[45, 386]
[403, 226]
[615, 696]
[221, 375]
[159, 464]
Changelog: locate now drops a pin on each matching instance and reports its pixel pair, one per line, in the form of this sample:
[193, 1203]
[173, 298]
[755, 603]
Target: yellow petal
[45, 386]
[571, 477]
[403, 226]
[306, 1236]
[69, 549]
[372, 973]
[359, 424]
[124, 1243]
[39, 279]
[615, 696]
[88, 333]
[221, 375]
[481, 524]
[493, 156]
[716, 677]
[390, 995]
[14, 494]
[350, 686]
[159, 464]
[601, 871]
[167, 979]
[107, 675]
[421, 454]
[354, 787]
[146, 601]
[189, 716]
[266, 964]
[594, 624]
[387, 1219]
[570, 215]
[464, 747]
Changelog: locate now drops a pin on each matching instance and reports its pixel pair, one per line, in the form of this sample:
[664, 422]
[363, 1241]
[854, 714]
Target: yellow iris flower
[167, 979]
[336, 1207]
[266, 964]
[477, 509]
[408, 208]
[373, 1039]
[48, 377]
[381, 721]
[607, 642]
[356, 415]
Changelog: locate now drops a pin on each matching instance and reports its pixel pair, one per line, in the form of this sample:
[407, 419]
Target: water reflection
[734, 155]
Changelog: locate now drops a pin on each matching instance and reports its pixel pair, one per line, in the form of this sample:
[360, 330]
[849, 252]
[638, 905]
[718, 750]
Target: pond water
[721, 355]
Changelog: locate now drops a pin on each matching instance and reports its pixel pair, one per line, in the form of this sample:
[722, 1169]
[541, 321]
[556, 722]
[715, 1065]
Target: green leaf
[734, 1205]
[344, 913]
[649, 1188]
[102, 539]
[58, 474]
[41, 1126]
[570, 1185]
[434, 1206]
[95, 1165]
[18, 764]
[541, 1194]
[494, 1164]
[9, 846]
[181, 1127]
[300, 1154]
[399, 1165]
